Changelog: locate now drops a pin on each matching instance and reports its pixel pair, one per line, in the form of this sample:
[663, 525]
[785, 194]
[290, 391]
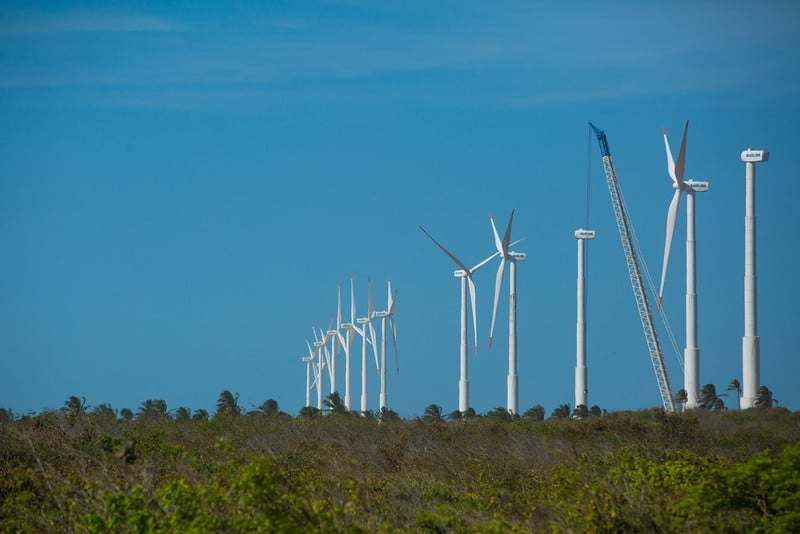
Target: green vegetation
[91, 470]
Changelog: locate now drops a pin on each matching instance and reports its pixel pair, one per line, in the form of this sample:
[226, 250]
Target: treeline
[85, 469]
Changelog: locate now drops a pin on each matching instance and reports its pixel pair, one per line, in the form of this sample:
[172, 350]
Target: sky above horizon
[183, 185]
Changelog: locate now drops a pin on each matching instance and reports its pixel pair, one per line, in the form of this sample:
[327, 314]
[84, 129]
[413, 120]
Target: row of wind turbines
[320, 356]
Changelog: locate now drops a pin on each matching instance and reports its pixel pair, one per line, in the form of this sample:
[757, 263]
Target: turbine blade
[679, 165]
[474, 313]
[672, 216]
[458, 262]
[498, 283]
[670, 161]
[339, 306]
[497, 243]
[370, 309]
[374, 349]
[484, 262]
[393, 328]
[507, 236]
[352, 302]
[389, 301]
[394, 303]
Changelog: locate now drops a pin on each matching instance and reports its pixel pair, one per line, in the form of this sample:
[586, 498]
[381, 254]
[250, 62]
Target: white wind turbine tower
[691, 354]
[581, 387]
[346, 341]
[465, 275]
[751, 359]
[308, 361]
[316, 353]
[366, 329]
[512, 258]
[387, 315]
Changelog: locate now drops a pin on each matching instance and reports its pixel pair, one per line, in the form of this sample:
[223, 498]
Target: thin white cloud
[14, 23]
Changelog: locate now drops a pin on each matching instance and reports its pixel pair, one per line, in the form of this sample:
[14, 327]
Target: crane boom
[635, 273]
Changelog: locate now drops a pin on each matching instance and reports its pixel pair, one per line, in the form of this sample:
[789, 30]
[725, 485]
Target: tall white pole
[751, 362]
[347, 372]
[581, 374]
[691, 354]
[581, 391]
[364, 369]
[319, 379]
[383, 403]
[333, 360]
[463, 382]
[513, 379]
[308, 381]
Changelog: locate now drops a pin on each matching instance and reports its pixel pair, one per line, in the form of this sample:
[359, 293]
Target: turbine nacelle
[584, 234]
[308, 359]
[362, 320]
[697, 187]
[460, 273]
[331, 332]
[381, 314]
[755, 156]
[517, 256]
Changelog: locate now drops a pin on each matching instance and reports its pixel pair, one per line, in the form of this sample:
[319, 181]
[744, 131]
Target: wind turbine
[465, 275]
[581, 388]
[367, 333]
[691, 354]
[309, 364]
[346, 340]
[751, 358]
[512, 258]
[316, 353]
[387, 316]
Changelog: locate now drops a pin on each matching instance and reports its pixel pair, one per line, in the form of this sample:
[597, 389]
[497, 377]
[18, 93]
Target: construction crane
[635, 273]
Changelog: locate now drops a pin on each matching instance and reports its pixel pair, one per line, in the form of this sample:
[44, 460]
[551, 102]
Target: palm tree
[200, 415]
[183, 414]
[269, 408]
[680, 396]
[710, 400]
[735, 386]
[500, 413]
[562, 412]
[152, 409]
[534, 413]
[309, 412]
[104, 411]
[74, 406]
[6, 415]
[334, 404]
[764, 398]
[228, 404]
[595, 411]
[433, 413]
[126, 414]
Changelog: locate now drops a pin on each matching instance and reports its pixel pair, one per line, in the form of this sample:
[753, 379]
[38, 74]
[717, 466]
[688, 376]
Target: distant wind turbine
[465, 275]
[387, 316]
[691, 354]
[512, 258]
[367, 333]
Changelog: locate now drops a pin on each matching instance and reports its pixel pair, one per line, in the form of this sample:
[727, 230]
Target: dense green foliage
[79, 470]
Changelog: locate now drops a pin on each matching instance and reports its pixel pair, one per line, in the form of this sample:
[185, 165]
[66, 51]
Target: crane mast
[635, 274]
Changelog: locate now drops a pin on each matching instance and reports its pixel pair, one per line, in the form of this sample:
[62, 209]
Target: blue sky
[182, 185]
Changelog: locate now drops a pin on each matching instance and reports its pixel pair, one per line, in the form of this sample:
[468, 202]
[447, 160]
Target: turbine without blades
[512, 258]
[466, 279]
[676, 173]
